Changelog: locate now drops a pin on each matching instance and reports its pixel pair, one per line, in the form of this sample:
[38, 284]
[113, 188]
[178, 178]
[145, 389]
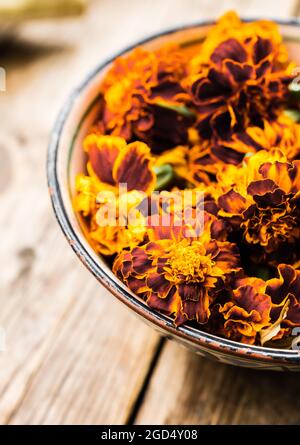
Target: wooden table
[73, 353]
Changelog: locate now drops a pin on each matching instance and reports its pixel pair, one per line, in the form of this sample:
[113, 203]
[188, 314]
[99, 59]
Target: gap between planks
[143, 391]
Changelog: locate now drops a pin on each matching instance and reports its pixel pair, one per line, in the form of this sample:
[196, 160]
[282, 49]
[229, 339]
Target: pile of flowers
[216, 120]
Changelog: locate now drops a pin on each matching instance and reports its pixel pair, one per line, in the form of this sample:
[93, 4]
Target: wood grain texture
[49, 302]
[94, 366]
[187, 389]
[74, 354]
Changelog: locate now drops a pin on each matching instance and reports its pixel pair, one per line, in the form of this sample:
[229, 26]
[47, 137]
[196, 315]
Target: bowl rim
[186, 333]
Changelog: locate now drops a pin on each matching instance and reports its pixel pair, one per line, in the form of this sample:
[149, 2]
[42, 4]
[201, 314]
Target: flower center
[189, 262]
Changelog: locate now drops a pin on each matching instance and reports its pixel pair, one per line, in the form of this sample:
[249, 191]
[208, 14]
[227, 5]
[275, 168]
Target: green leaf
[192, 42]
[262, 272]
[164, 176]
[293, 114]
[180, 109]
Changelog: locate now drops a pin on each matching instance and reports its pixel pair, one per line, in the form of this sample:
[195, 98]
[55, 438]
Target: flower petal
[230, 49]
[195, 302]
[232, 202]
[103, 152]
[134, 168]
[158, 284]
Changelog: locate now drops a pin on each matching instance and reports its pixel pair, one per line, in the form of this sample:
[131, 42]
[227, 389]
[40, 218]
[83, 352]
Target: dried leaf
[268, 333]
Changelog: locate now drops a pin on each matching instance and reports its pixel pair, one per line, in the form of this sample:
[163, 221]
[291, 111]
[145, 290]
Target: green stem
[164, 176]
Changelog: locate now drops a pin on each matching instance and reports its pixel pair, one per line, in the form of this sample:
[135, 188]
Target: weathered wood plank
[95, 364]
[187, 389]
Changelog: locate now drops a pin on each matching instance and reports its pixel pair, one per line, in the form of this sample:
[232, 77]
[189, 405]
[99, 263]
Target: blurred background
[70, 353]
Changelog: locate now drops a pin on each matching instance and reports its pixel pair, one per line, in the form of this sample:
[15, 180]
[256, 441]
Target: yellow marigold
[118, 223]
[113, 163]
[112, 222]
[238, 177]
[203, 159]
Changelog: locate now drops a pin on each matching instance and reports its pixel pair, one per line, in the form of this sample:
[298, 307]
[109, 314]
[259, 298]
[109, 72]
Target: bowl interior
[85, 107]
[74, 121]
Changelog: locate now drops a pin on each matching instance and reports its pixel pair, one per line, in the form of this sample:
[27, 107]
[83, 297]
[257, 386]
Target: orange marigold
[247, 312]
[143, 96]
[261, 200]
[240, 78]
[179, 276]
[283, 133]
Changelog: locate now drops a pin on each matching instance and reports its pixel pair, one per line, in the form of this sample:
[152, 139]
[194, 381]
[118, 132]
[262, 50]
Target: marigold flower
[109, 240]
[230, 26]
[175, 217]
[244, 81]
[200, 162]
[141, 93]
[282, 133]
[196, 164]
[260, 311]
[112, 161]
[286, 287]
[262, 200]
[85, 199]
[179, 276]
[247, 312]
[112, 222]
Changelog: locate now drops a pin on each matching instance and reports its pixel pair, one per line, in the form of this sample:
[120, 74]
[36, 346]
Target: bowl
[66, 159]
